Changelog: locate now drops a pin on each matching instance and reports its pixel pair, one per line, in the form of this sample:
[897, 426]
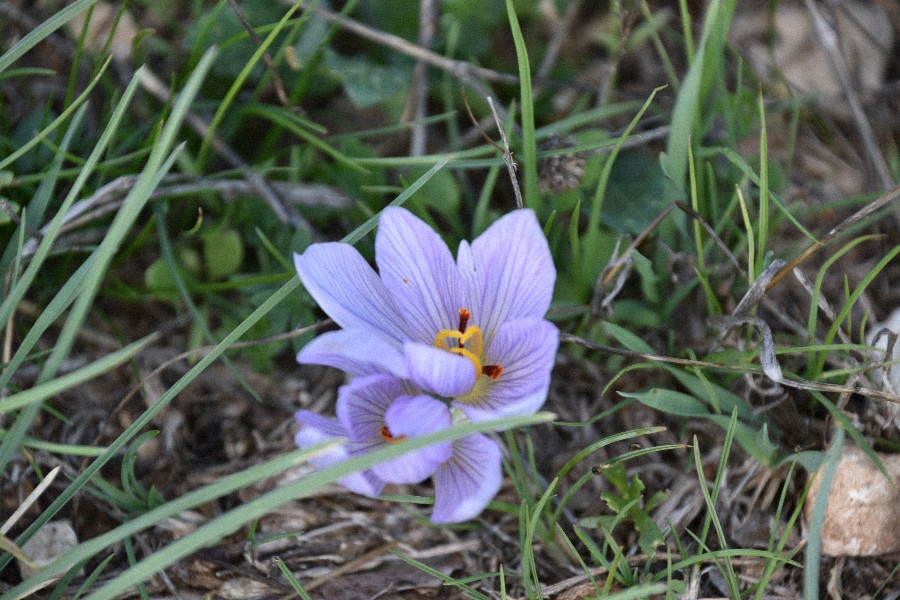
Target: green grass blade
[42, 31]
[227, 101]
[817, 519]
[43, 249]
[62, 118]
[684, 116]
[55, 386]
[531, 193]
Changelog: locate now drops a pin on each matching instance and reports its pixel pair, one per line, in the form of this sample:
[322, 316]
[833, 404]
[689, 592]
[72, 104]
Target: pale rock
[862, 517]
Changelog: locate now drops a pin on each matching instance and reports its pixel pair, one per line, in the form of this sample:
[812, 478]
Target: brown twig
[428, 14]
[560, 33]
[507, 156]
[109, 197]
[859, 215]
[270, 64]
[150, 82]
[615, 266]
[829, 40]
[461, 70]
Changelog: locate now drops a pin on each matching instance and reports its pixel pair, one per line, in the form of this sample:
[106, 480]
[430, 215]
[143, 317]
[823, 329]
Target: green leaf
[671, 402]
[366, 83]
[650, 534]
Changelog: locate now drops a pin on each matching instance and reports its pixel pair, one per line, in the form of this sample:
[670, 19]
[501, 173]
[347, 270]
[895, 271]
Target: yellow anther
[476, 362]
[469, 344]
[440, 340]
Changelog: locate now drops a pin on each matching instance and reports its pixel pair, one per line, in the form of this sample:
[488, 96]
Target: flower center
[468, 341]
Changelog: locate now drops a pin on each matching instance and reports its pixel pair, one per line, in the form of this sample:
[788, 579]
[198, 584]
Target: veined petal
[467, 482]
[497, 408]
[508, 271]
[437, 371]
[409, 417]
[419, 272]
[357, 352]
[348, 289]
[316, 429]
[361, 406]
[526, 348]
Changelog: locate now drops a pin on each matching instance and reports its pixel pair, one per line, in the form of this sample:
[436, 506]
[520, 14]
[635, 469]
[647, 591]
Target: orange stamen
[492, 371]
[388, 437]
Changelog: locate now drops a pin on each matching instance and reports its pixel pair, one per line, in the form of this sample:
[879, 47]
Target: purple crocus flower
[316, 429]
[472, 330]
[379, 409]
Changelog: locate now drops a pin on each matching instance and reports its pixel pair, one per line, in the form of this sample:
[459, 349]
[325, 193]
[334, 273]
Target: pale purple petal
[467, 482]
[498, 408]
[361, 406]
[316, 429]
[437, 371]
[526, 349]
[409, 417]
[508, 271]
[356, 352]
[346, 287]
[418, 270]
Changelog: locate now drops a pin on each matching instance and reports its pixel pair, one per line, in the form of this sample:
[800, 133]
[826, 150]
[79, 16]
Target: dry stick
[859, 215]
[828, 39]
[612, 269]
[556, 42]
[276, 78]
[109, 197]
[14, 216]
[150, 82]
[853, 17]
[461, 70]
[610, 69]
[428, 14]
[507, 156]
[713, 235]
[617, 265]
[795, 383]
[350, 567]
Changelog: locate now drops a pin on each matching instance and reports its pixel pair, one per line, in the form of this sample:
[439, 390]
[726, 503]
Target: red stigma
[464, 316]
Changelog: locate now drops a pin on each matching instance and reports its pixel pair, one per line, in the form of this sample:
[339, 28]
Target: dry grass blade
[772, 368]
[31, 499]
[794, 383]
[829, 41]
[351, 566]
[507, 155]
[856, 217]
